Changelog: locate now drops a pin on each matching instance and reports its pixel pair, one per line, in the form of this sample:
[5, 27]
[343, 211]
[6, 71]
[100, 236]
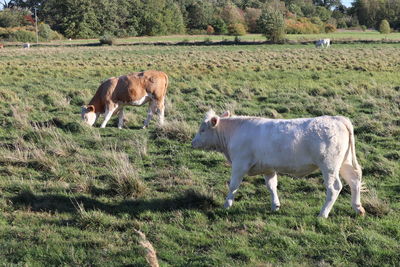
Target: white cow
[323, 43]
[296, 147]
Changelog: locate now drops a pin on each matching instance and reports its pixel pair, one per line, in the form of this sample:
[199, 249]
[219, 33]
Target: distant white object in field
[296, 147]
[70, 39]
[26, 45]
[323, 43]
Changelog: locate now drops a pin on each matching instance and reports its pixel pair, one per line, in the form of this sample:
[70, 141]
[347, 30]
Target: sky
[347, 3]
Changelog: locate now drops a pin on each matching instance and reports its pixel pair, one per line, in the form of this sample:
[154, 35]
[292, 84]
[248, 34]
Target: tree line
[121, 18]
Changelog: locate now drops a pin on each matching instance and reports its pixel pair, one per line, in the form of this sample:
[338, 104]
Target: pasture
[75, 195]
[339, 36]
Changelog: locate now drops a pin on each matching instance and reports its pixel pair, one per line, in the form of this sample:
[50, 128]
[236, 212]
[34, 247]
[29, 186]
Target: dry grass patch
[125, 177]
[177, 130]
[374, 205]
[150, 252]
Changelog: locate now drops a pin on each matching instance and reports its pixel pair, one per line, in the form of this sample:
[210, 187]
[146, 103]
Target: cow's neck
[98, 107]
[225, 130]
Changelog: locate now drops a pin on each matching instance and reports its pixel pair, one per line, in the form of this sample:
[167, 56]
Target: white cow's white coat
[323, 43]
[296, 147]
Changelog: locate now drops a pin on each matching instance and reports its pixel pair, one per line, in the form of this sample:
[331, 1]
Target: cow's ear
[90, 108]
[226, 114]
[214, 121]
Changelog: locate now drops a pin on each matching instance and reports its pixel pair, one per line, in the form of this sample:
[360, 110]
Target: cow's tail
[166, 84]
[352, 147]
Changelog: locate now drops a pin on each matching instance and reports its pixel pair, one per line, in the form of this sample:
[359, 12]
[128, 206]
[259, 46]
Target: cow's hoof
[275, 207]
[228, 203]
[361, 211]
[321, 215]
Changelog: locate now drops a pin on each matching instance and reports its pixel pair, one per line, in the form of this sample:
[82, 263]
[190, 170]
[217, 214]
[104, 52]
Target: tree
[199, 15]
[220, 26]
[231, 14]
[329, 4]
[160, 17]
[384, 27]
[5, 4]
[272, 25]
[251, 16]
[14, 18]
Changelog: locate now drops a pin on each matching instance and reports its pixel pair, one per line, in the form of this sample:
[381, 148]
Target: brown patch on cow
[91, 108]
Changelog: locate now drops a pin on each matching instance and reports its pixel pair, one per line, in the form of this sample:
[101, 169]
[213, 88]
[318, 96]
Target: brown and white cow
[296, 147]
[1, 46]
[133, 89]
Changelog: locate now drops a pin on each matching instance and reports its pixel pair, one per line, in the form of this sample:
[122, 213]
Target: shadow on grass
[189, 199]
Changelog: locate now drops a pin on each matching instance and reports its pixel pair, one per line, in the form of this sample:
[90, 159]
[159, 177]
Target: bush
[14, 18]
[107, 39]
[22, 36]
[210, 30]
[363, 28]
[301, 26]
[197, 32]
[384, 27]
[272, 25]
[330, 28]
[236, 29]
[220, 26]
[47, 34]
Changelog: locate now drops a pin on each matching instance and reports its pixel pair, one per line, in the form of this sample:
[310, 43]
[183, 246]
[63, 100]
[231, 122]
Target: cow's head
[207, 138]
[88, 114]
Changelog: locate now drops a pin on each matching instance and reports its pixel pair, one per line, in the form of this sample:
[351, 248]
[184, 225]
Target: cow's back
[135, 86]
[288, 146]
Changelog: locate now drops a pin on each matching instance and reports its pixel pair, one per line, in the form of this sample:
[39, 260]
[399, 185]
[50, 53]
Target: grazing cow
[296, 147]
[1, 46]
[26, 45]
[323, 43]
[133, 89]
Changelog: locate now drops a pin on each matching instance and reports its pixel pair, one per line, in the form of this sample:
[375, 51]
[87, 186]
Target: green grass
[73, 195]
[339, 36]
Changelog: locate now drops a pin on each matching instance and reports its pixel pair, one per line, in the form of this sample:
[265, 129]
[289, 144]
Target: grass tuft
[374, 205]
[202, 199]
[125, 180]
[175, 130]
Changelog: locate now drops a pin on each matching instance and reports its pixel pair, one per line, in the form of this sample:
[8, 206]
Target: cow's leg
[152, 110]
[121, 118]
[236, 178]
[271, 181]
[333, 187]
[353, 178]
[107, 115]
[161, 108]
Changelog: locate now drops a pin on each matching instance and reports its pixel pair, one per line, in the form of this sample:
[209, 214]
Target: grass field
[74, 195]
[339, 36]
